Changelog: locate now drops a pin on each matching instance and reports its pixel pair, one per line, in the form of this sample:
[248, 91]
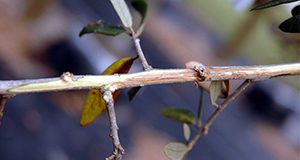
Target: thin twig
[118, 149]
[139, 50]
[154, 76]
[221, 107]
[204, 129]
[200, 108]
[3, 99]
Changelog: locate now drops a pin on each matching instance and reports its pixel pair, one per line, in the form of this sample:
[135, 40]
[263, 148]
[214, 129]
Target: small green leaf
[142, 7]
[122, 10]
[175, 150]
[179, 115]
[132, 92]
[186, 132]
[101, 27]
[215, 89]
[291, 25]
[272, 3]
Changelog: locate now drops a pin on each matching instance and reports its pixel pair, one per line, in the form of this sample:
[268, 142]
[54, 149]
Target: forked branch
[110, 83]
[203, 130]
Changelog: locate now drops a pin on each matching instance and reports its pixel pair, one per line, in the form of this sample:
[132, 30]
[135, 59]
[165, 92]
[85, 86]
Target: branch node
[117, 153]
[68, 77]
[201, 71]
[205, 130]
[217, 106]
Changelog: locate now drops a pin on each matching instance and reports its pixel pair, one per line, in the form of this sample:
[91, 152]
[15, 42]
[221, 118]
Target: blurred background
[39, 38]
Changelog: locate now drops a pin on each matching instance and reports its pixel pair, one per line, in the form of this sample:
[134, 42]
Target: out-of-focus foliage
[292, 25]
[272, 3]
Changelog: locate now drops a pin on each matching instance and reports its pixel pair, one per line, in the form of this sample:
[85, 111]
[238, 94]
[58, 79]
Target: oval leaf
[215, 89]
[101, 27]
[179, 115]
[186, 132]
[120, 66]
[123, 12]
[175, 150]
[142, 7]
[95, 104]
[291, 25]
[272, 3]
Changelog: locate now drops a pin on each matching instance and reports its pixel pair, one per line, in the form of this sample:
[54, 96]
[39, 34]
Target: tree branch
[118, 149]
[110, 83]
[156, 76]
